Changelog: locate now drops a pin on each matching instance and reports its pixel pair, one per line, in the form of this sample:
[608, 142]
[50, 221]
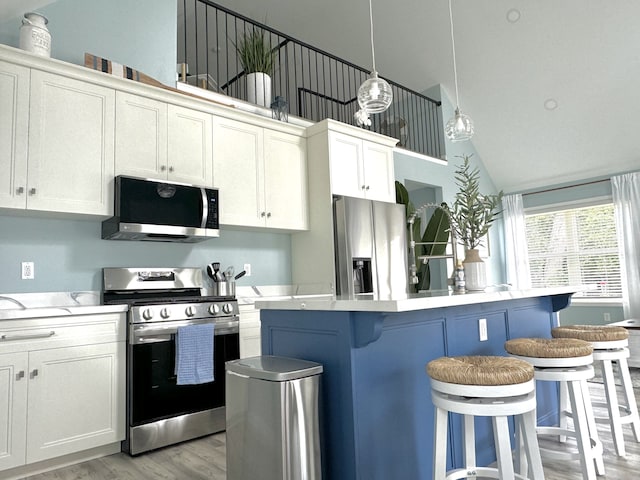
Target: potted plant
[472, 215]
[257, 59]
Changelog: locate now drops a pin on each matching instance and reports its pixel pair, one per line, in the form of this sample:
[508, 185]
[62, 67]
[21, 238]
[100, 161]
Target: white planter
[475, 273]
[34, 35]
[259, 89]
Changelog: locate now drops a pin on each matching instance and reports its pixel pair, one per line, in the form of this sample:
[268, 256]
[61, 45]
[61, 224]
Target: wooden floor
[205, 459]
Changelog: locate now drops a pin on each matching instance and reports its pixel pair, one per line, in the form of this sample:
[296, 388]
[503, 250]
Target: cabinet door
[14, 128]
[379, 177]
[71, 145]
[238, 172]
[141, 137]
[189, 158]
[285, 180]
[76, 399]
[345, 157]
[13, 409]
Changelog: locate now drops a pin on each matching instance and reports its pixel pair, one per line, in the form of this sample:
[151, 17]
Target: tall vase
[475, 272]
[259, 89]
[34, 35]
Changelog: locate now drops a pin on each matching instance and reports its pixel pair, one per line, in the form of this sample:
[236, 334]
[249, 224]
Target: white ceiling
[584, 54]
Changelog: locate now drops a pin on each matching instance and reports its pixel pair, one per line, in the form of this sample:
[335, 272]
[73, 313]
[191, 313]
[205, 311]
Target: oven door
[153, 392]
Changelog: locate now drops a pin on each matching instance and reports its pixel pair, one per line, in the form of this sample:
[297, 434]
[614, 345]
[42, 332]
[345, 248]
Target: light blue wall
[140, 34]
[69, 254]
[442, 176]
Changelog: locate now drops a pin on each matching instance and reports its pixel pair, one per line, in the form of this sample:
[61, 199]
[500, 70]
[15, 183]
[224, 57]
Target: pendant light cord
[373, 54]
[453, 49]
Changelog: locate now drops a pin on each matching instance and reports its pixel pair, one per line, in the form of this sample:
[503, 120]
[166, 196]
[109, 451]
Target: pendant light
[460, 127]
[375, 94]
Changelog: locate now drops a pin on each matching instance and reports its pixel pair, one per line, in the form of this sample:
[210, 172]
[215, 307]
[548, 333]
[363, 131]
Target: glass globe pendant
[459, 128]
[375, 94]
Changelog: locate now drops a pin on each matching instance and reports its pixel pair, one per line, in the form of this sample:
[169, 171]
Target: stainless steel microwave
[162, 211]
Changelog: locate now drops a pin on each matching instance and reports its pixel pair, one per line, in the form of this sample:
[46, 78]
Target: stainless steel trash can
[273, 419]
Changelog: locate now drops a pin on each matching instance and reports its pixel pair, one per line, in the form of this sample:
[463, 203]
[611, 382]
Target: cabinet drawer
[40, 333]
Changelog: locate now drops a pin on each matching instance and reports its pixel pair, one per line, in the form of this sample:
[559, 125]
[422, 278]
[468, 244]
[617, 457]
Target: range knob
[190, 311]
[214, 309]
[147, 314]
[227, 308]
[164, 313]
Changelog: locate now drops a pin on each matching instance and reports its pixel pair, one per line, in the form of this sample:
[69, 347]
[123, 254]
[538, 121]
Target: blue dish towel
[194, 354]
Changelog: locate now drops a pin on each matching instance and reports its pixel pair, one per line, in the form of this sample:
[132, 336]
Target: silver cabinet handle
[34, 373]
[362, 187]
[32, 191]
[367, 187]
[163, 168]
[20, 190]
[170, 169]
[262, 214]
[26, 336]
[20, 375]
[269, 215]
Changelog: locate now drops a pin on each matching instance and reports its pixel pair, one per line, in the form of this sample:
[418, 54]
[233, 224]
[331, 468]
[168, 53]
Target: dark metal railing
[316, 84]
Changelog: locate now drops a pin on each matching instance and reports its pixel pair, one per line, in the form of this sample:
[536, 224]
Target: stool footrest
[479, 472]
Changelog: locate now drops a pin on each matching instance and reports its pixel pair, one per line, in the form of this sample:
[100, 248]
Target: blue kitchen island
[377, 415]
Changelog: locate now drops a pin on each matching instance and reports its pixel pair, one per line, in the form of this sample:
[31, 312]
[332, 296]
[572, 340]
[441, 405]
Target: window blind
[575, 246]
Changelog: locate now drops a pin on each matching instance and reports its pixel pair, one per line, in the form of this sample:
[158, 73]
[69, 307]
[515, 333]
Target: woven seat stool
[497, 387]
[569, 362]
[610, 344]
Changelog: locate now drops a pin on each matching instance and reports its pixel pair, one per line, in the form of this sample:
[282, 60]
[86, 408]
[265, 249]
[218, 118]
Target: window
[575, 246]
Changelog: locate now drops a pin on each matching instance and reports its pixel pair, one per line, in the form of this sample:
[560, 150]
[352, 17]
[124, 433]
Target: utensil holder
[224, 289]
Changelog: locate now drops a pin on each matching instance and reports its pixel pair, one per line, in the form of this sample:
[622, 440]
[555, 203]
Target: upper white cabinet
[361, 168]
[261, 174]
[14, 128]
[162, 141]
[71, 142]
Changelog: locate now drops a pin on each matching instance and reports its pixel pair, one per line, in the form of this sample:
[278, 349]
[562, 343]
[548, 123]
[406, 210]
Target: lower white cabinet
[65, 391]
[250, 340]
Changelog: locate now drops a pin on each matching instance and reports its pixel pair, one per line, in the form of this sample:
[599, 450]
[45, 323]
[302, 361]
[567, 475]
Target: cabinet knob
[20, 190]
[163, 168]
[20, 375]
[170, 169]
[32, 191]
[268, 214]
[34, 373]
[367, 187]
[363, 187]
[262, 214]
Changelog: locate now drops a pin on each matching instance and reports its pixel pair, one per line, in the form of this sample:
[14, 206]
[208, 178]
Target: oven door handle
[146, 333]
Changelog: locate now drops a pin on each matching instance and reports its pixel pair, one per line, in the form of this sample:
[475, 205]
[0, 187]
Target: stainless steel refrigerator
[371, 248]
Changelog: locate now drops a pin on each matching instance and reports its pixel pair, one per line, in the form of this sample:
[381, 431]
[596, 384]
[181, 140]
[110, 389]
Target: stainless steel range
[160, 411]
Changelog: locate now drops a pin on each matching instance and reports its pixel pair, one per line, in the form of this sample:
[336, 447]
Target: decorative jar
[34, 35]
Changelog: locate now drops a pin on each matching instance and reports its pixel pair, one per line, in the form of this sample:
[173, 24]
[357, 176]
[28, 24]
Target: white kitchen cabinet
[361, 168]
[261, 174]
[13, 409]
[162, 141]
[14, 128]
[62, 386]
[71, 146]
[250, 339]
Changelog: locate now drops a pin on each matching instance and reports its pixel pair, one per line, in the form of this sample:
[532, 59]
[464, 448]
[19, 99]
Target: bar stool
[610, 344]
[496, 387]
[568, 361]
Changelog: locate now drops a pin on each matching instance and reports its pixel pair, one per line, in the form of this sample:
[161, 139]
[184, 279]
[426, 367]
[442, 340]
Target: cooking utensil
[240, 275]
[211, 273]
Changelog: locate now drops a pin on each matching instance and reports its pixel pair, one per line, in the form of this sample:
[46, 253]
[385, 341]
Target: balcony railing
[316, 84]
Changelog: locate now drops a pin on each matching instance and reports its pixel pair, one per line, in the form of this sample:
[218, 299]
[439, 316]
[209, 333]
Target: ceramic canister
[34, 35]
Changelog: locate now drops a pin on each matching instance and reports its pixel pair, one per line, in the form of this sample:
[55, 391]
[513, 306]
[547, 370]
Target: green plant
[472, 212]
[255, 53]
[434, 239]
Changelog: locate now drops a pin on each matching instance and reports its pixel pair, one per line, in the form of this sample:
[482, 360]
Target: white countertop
[418, 301]
[54, 304]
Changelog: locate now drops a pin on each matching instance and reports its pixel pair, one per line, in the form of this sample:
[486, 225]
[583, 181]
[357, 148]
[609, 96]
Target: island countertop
[416, 301]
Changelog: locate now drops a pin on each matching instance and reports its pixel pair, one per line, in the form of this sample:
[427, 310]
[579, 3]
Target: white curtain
[626, 201]
[518, 273]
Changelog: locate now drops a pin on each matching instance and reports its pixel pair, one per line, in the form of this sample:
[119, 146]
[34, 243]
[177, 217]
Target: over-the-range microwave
[163, 211]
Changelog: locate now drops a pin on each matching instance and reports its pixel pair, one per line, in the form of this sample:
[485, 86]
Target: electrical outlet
[482, 329]
[28, 272]
[247, 268]
[607, 317]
